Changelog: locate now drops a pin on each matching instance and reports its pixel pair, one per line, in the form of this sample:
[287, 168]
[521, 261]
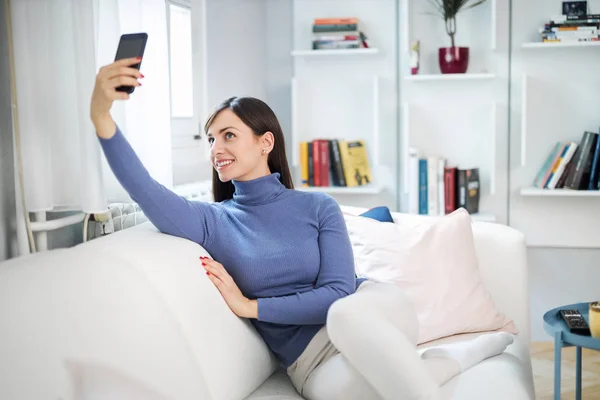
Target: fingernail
[139, 58]
[203, 264]
[207, 273]
[141, 75]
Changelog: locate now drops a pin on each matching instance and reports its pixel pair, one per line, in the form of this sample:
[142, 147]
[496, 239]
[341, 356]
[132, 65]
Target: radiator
[125, 215]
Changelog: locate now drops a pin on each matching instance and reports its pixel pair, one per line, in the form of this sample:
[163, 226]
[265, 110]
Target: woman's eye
[229, 135]
[210, 140]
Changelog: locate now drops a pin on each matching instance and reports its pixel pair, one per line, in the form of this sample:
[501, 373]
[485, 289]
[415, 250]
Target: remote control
[575, 322]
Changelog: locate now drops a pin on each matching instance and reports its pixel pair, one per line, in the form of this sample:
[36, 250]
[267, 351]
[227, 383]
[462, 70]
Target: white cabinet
[459, 117]
[554, 90]
[348, 94]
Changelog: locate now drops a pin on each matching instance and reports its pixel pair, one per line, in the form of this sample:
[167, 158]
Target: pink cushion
[434, 261]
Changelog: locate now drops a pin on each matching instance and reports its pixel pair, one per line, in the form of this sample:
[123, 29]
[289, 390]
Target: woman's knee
[373, 302]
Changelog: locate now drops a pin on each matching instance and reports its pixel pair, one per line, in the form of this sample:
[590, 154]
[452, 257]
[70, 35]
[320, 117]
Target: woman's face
[236, 152]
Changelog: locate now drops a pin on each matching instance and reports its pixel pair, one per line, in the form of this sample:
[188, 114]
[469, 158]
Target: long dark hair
[260, 118]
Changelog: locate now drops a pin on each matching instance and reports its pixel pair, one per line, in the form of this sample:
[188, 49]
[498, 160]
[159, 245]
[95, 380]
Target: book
[355, 162]
[468, 189]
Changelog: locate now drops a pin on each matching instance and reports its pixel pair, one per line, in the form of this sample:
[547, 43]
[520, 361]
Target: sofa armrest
[502, 256]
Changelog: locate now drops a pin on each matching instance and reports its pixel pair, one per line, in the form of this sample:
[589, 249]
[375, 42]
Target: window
[180, 45]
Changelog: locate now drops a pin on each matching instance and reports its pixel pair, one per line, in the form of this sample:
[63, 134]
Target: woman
[281, 257]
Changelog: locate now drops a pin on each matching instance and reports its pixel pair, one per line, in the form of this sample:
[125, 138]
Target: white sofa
[133, 315]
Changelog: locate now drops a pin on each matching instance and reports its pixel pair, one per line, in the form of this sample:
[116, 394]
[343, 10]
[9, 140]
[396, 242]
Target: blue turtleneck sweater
[287, 249]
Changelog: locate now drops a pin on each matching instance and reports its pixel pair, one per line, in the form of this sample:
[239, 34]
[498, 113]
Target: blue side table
[556, 327]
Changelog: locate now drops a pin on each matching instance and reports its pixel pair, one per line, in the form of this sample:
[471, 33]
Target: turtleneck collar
[258, 191]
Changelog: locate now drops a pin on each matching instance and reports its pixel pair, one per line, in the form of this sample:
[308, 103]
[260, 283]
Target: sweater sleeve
[170, 213]
[336, 277]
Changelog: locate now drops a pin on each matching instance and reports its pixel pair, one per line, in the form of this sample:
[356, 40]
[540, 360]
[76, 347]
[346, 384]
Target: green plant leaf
[449, 9]
[475, 4]
[439, 7]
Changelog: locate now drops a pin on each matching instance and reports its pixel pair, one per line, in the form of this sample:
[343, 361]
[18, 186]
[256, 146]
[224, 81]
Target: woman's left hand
[237, 302]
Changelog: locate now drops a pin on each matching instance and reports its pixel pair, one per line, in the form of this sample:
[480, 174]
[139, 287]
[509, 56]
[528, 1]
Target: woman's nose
[216, 148]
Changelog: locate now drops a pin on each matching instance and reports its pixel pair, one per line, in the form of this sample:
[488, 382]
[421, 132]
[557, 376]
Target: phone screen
[131, 45]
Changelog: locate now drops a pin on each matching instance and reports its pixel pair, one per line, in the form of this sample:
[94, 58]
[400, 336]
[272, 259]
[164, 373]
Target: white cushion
[434, 261]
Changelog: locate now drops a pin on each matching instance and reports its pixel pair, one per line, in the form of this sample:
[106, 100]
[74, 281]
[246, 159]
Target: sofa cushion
[278, 387]
[435, 262]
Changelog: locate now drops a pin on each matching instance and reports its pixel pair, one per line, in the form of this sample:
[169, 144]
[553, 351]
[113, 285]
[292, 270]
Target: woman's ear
[268, 141]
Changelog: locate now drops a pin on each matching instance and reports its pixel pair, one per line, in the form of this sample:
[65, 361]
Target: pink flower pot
[453, 60]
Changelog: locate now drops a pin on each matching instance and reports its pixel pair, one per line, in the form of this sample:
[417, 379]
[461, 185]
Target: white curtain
[59, 45]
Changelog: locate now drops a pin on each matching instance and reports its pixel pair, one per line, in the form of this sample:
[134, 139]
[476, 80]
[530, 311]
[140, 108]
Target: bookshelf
[335, 52]
[549, 105]
[409, 8]
[537, 192]
[449, 77]
[452, 147]
[365, 189]
[345, 108]
[554, 45]
[457, 116]
[347, 94]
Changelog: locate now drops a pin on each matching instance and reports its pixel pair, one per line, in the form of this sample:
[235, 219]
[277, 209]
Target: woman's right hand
[108, 79]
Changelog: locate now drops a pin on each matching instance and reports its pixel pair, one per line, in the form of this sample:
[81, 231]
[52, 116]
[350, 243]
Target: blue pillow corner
[380, 213]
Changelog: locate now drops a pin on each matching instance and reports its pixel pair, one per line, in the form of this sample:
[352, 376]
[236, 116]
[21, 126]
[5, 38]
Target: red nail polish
[207, 273]
[141, 75]
[203, 264]
[139, 58]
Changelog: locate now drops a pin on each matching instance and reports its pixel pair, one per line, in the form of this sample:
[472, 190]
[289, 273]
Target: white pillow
[435, 263]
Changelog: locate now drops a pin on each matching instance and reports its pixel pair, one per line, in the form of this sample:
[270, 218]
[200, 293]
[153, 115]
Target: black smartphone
[131, 45]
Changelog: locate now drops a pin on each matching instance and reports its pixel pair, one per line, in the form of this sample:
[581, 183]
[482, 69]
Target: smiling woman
[246, 142]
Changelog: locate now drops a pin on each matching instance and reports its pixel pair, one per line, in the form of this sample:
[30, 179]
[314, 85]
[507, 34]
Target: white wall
[558, 277]
[7, 183]
[563, 233]
[236, 50]
[279, 43]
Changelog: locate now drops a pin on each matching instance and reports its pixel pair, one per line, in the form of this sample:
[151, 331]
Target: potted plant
[453, 60]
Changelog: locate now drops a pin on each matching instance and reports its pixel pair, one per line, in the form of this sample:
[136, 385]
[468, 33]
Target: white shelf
[484, 217]
[335, 52]
[449, 77]
[365, 189]
[551, 45]
[532, 191]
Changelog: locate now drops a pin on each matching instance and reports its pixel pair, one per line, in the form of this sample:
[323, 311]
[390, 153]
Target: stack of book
[436, 188]
[334, 162]
[572, 165]
[337, 33]
[572, 28]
